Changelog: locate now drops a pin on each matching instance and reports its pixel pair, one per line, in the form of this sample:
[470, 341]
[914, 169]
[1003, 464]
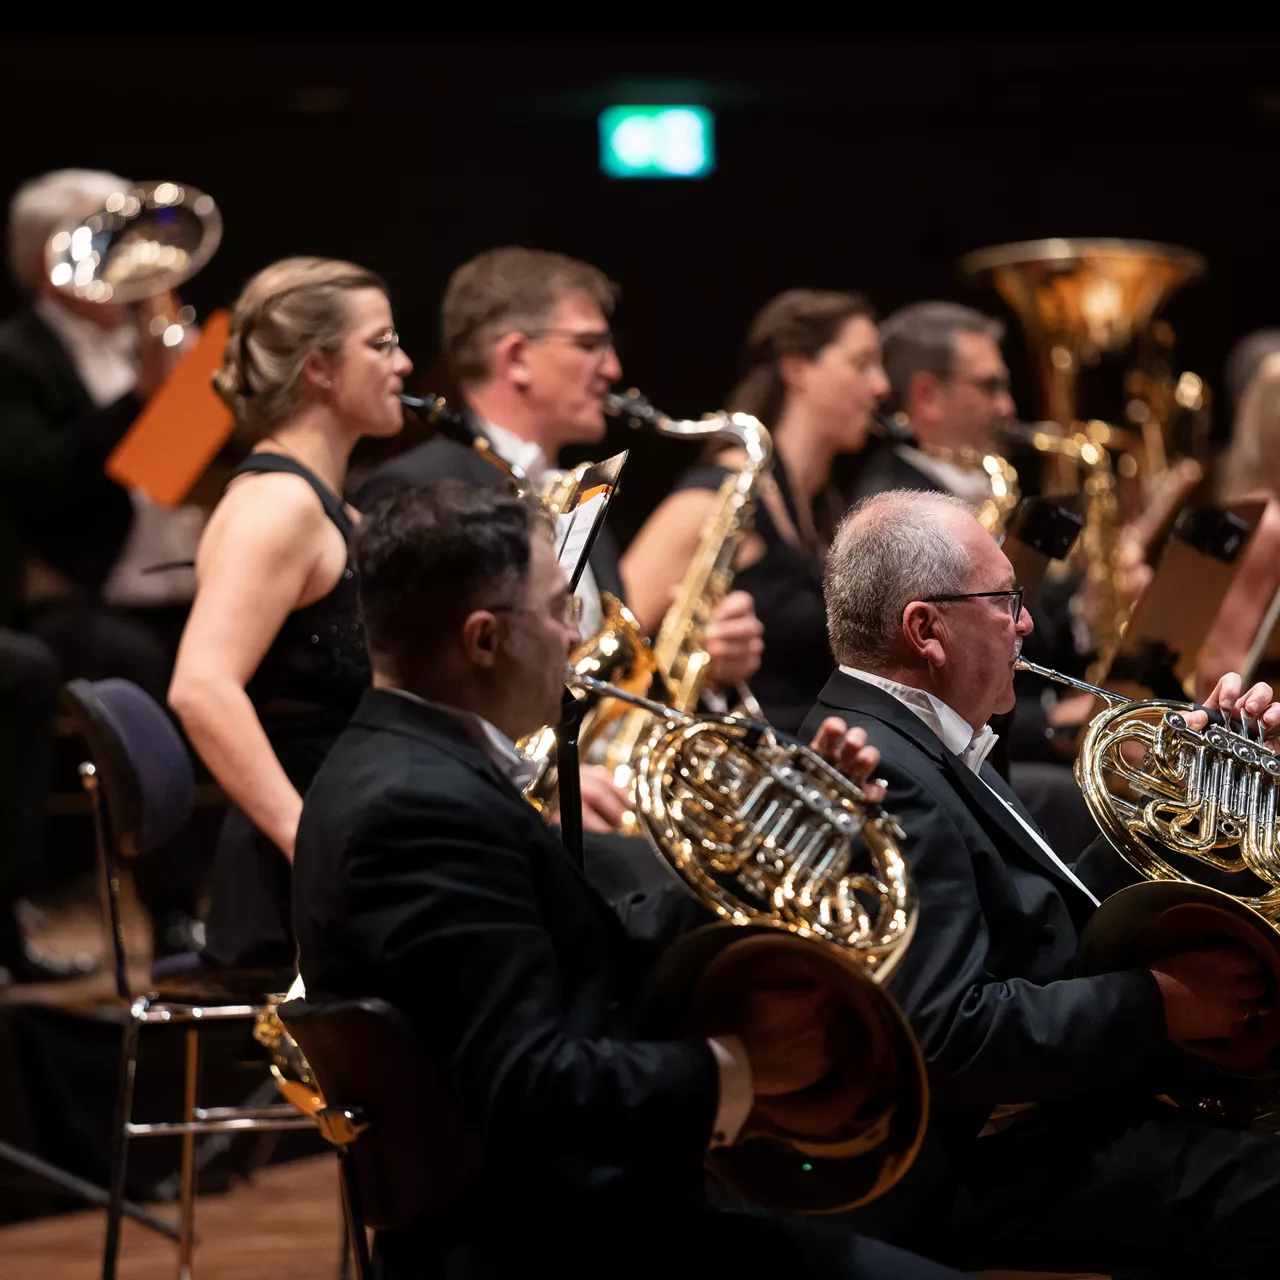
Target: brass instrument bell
[140, 245]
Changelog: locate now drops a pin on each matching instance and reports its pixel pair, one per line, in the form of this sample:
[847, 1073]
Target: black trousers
[1130, 1189]
[723, 1245]
[29, 682]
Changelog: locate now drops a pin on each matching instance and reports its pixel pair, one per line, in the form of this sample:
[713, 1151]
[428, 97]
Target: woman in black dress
[813, 379]
[272, 661]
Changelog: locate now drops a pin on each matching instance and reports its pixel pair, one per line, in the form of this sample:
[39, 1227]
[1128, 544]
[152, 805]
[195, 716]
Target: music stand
[1171, 620]
[577, 527]
[1041, 530]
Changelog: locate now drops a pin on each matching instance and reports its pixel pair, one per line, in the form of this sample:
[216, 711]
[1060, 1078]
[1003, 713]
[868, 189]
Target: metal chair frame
[152, 1009]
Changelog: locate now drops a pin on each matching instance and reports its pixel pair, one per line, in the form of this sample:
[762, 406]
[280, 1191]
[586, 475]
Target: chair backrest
[365, 1055]
[143, 766]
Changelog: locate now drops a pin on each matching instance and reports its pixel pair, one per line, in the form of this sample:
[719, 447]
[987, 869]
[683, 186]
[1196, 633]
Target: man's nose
[612, 367]
[404, 366]
[575, 636]
[1026, 624]
[880, 383]
[1006, 410]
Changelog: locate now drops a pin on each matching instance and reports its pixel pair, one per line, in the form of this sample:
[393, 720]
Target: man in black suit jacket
[1076, 1169]
[421, 876]
[526, 333]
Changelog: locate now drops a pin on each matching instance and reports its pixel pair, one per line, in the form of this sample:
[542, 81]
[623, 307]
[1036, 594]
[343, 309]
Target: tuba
[809, 884]
[1184, 807]
[139, 247]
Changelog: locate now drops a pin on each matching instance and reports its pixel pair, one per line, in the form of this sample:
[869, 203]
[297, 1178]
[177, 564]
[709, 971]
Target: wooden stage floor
[283, 1224]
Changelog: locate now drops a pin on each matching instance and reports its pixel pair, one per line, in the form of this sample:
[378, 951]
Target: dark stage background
[870, 163]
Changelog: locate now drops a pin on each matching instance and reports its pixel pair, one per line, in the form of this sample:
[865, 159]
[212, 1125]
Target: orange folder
[182, 427]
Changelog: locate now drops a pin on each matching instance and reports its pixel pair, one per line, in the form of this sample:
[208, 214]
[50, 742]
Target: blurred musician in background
[73, 376]
[425, 879]
[273, 661]
[814, 379]
[1044, 1085]
[1250, 468]
[74, 544]
[527, 335]
[949, 385]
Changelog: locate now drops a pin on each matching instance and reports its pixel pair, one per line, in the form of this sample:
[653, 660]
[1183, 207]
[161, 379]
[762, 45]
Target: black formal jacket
[986, 981]
[422, 877]
[876, 468]
[442, 459]
[55, 500]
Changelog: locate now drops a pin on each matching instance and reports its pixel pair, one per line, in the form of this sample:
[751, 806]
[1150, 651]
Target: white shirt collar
[495, 744]
[105, 359]
[955, 731]
[524, 453]
[964, 482]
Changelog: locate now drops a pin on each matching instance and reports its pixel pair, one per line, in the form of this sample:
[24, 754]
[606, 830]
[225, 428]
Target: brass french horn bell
[140, 245]
[811, 891]
[1197, 815]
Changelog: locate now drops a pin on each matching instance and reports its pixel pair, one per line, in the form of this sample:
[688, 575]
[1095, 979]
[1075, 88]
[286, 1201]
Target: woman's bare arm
[264, 554]
[1245, 605]
[660, 554]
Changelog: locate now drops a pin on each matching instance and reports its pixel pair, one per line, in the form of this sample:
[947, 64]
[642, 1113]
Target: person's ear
[317, 371]
[481, 638]
[510, 360]
[922, 632]
[924, 397]
[793, 369]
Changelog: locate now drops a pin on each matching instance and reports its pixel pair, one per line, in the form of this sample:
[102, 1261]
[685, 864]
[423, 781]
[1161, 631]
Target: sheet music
[584, 513]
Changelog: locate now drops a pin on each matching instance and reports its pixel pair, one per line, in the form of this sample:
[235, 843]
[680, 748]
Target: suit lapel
[389, 712]
[983, 795]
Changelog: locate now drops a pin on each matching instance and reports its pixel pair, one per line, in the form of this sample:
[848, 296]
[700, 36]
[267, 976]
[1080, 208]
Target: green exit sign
[657, 142]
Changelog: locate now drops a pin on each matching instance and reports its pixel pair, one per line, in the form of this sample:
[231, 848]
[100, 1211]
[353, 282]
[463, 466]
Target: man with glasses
[526, 334]
[421, 877]
[949, 384]
[1048, 1146]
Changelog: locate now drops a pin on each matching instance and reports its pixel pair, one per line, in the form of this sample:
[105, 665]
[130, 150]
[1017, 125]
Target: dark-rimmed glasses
[592, 341]
[1014, 594]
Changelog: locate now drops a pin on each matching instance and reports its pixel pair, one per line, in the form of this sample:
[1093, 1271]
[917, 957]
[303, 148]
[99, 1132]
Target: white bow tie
[979, 747]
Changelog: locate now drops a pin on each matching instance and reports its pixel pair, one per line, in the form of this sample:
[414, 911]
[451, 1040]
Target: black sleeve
[990, 1038]
[48, 475]
[444, 893]
[424, 464]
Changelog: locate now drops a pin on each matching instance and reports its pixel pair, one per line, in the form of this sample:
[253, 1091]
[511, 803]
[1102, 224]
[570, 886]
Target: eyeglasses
[388, 344]
[1014, 595]
[566, 610]
[996, 385]
[593, 341]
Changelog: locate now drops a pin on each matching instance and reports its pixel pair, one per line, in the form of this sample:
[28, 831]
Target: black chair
[142, 790]
[401, 1149]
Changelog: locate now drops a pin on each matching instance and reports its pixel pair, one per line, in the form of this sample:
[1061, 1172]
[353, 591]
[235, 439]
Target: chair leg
[355, 1215]
[187, 1203]
[347, 1242]
[120, 1137]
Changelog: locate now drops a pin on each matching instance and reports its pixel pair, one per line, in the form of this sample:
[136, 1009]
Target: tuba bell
[138, 248]
[1184, 808]
[809, 884]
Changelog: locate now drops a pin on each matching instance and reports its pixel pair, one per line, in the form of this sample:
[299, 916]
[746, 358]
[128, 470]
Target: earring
[326, 384]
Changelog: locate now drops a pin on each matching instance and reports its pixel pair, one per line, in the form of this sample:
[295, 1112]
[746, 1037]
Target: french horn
[809, 885]
[1184, 807]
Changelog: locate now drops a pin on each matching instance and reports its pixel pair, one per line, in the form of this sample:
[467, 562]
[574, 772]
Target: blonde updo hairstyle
[287, 312]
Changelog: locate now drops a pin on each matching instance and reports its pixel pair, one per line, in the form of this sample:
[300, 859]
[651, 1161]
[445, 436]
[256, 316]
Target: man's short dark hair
[921, 338]
[427, 557]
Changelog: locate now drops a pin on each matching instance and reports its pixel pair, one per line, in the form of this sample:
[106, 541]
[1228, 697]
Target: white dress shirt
[533, 462]
[974, 487]
[106, 361]
[736, 1092]
[959, 738]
